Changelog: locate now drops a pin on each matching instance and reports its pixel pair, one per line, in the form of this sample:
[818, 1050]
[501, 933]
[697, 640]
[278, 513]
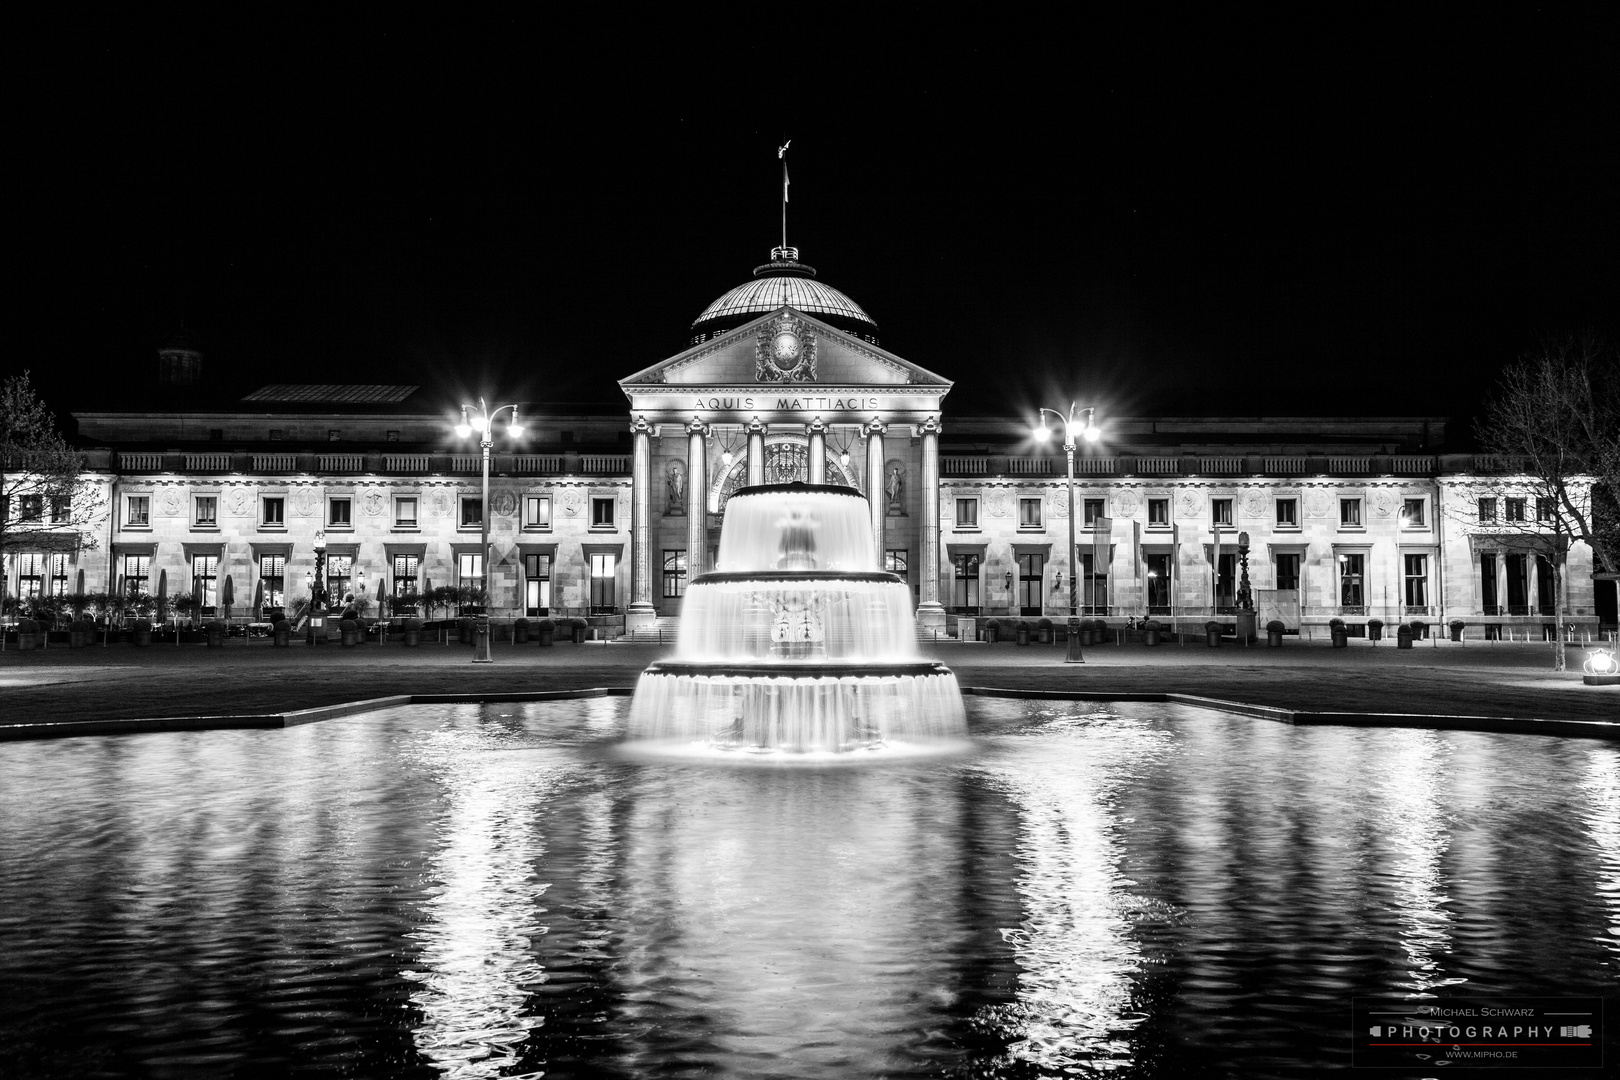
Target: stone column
[816, 472]
[756, 453]
[930, 612]
[697, 499]
[873, 431]
[641, 610]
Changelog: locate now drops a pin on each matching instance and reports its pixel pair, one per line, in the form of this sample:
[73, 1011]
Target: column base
[639, 614]
[931, 616]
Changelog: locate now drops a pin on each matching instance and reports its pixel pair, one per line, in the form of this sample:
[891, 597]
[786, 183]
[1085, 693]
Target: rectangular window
[1220, 511]
[407, 573]
[206, 512]
[1518, 584]
[1487, 510]
[965, 576]
[1093, 583]
[275, 512]
[339, 574]
[59, 574]
[137, 574]
[1544, 585]
[1412, 514]
[472, 512]
[1515, 509]
[674, 573]
[273, 575]
[967, 514]
[1031, 571]
[1415, 572]
[1226, 584]
[895, 561]
[537, 584]
[61, 509]
[1158, 513]
[1287, 513]
[470, 570]
[604, 568]
[339, 513]
[1029, 513]
[602, 511]
[1158, 584]
[1349, 513]
[1489, 598]
[1093, 511]
[537, 512]
[205, 579]
[1352, 596]
[138, 512]
[30, 574]
[405, 511]
[1546, 508]
[1288, 571]
[31, 508]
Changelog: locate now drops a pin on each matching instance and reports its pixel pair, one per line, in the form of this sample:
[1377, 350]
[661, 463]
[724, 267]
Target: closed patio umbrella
[78, 588]
[163, 600]
[227, 597]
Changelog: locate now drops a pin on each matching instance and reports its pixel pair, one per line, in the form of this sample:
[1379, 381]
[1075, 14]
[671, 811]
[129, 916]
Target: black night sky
[1344, 216]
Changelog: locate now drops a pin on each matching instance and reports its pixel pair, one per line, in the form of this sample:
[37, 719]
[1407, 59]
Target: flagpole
[781, 153]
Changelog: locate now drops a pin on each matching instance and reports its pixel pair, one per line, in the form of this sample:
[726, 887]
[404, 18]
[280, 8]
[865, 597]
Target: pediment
[735, 359]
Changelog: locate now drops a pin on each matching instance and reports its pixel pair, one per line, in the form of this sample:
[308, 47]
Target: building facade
[784, 379]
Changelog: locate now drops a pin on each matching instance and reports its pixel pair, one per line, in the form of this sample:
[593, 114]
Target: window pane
[1350, 512]
[1158, 511]
[674, 573]
[273, 509]
[602, 512]
[537, 511]
[405, 512]
[1287, 512]
[139, 510]
[967, 513]
[1412, 513]
[273, 574]
[1221, 510]
[339, 512]
[1029, 512]
[205, 510]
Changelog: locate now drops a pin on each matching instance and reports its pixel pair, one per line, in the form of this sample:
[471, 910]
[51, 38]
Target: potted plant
[81, 632]
[1274, 633]
[520, 632]
[30, 635]
[992, 630]
[1403, 636]
[413, 631]
[1337, 634]
[1044, 629]
[1457, 626]
[1021, 634]
[1375, 629]
[545, 631]
[281, 632]
[1212, 634]
[185, 605]
[581, 628]
[214, 633]
[350, 629]
[1150, 632]
[141, 632]
[1420, 629]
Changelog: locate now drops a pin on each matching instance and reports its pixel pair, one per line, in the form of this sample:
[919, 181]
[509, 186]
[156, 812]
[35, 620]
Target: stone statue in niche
[675, 483]
[894, 486]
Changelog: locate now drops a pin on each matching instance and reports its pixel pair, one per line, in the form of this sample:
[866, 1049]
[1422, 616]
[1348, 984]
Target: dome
[783, 281]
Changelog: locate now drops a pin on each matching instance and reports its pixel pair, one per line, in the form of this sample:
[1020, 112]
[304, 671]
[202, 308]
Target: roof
[370, 394]
[784, 282]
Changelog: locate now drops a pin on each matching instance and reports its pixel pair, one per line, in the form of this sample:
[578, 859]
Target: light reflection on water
[466, 891]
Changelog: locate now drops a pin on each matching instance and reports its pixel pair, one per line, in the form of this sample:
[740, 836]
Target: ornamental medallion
[785, 351]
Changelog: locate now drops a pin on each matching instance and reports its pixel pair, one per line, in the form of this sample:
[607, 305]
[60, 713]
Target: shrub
[520, 624]
[1213, 627]
[28, 626]
[578, 624]
[1336, 622]
[1375, 624]
[413, 624]
[349, 626]
[142, 626]
[546, 624]
[1419, 627]
[992, 624]
[1275, 626]
[83, 626]
[1044, 624]
[1457, 624]
[282, 626]
[1154, 625]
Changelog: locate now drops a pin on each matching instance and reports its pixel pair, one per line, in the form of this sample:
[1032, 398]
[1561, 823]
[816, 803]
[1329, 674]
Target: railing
[1349, 464]
[1411, 465]
[341, 462]
[1287, 466]
[537, 463]
[964, 466]
[275, 462]
[466, 462]
[1498, 463]
[405, 463]
[1417, 609]
[208, 462]
[140, 462]
[1029, 466]
[605, 464]
[1094, 466]
[1158, 466]
[1221, 466]
[1353, 609]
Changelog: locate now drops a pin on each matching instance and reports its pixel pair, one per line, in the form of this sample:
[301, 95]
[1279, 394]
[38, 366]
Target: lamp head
[1042, 432]
[320, 541]
[479, 422]
[725, 457]
[515, 428]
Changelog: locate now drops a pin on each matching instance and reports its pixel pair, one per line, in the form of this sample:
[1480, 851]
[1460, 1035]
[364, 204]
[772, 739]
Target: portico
[783, 397]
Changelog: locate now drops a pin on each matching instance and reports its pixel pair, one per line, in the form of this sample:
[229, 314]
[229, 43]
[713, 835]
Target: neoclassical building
[784, 378]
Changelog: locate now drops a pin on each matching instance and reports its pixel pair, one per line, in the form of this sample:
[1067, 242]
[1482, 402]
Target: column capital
[756, 426]
[640, 425]
[697, 427]
[816, 426]
[929, 426]
[874, 426]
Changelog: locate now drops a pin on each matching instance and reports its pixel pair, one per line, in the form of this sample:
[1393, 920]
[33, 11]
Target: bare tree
[45, 501]
[1555, 419]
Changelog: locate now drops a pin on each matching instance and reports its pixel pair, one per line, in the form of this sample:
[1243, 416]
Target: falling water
[797, 643]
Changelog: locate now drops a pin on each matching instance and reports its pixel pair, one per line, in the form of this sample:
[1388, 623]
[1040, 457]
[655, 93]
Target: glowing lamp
[1042, 433]
[1092, 433]
[462, 431]
[479, 423]
[725, 457]
[1601, 668]
[515, 430]
[843, 458]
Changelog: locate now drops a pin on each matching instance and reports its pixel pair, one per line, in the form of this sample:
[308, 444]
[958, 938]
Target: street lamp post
[316, 620]
[483, 421]
[1081, 420]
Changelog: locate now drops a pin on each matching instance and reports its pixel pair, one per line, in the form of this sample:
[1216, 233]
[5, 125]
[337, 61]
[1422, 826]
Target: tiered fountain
[797, 643]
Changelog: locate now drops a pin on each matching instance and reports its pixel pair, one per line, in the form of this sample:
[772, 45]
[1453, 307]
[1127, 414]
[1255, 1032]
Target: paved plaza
[123, 682]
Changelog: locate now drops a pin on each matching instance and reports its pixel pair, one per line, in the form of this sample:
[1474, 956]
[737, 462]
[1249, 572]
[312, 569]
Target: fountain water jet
[798, 642]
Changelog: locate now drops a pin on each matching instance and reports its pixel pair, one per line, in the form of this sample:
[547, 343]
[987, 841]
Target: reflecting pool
[468, 891]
